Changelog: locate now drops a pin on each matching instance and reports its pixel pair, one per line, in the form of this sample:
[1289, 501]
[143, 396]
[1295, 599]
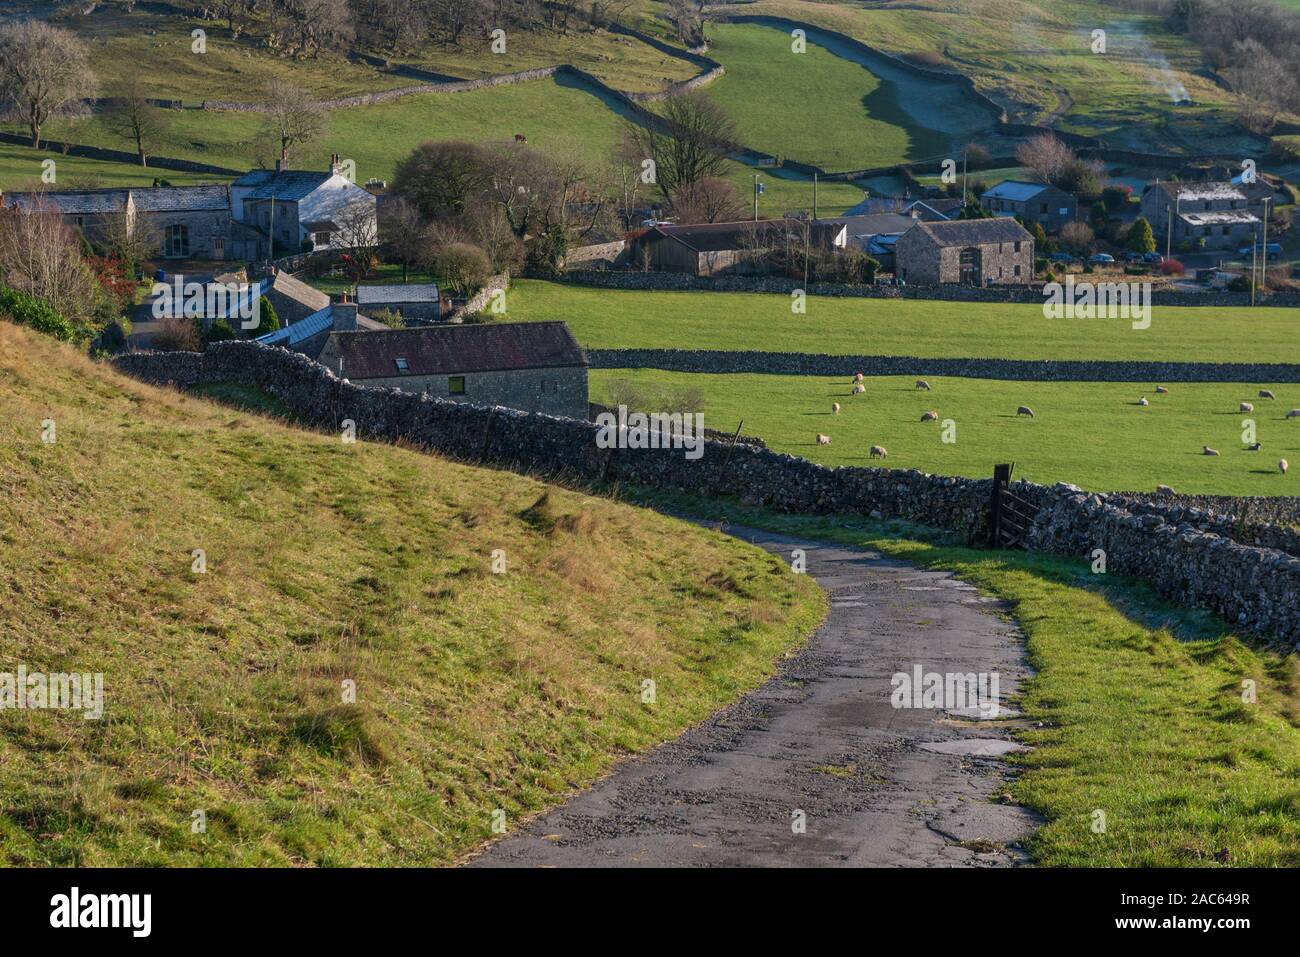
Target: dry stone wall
[1256, 589]
[1027, 370]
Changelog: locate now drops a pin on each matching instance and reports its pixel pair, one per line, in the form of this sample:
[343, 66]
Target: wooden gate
[1010, 516]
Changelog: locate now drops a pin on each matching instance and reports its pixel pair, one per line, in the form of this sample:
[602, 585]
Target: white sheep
[859, 389]
[835, 408]
[858, 377]
[1247, 407]
[823, 439]
[1161, 390]
[930, 416]
[1143, 401]
[1265, 394]
[1282, 466]
[1025, 410]
[879, 452]
[1165, 490]
[1210, 451]
[923, 385]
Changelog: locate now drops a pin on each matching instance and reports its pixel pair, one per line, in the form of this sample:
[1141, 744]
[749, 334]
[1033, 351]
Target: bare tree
[41, 256]
[708, 200]
[293, 116]
[359, 233]
[1046, 157]
[440, 178]
[133, 118]
[43, 74]
[692, 144]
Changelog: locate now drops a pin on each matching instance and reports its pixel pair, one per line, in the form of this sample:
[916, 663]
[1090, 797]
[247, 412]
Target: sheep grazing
[1265, 394]
[859, 389]
[879, 452]
[823, 439]
[1161, 390]
[1210, 451]
[1247, 407]
[835, 408]
[1025, 410]
[1143, 401]
[930, 416]
[1283, 465]
[923, 385]
[1254, 448]
[1165, 490]
[858, 377]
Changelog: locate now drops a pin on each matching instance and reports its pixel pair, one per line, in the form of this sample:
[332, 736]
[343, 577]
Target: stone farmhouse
[308, 210]
[1048, 206]
[1219, 215]
[974, 252]
[531, 366]
[304, 210]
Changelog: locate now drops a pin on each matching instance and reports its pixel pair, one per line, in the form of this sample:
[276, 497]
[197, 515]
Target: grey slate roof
[454, 350]
[378, 294]
[148, 199]
[975, 232]
[288, 185]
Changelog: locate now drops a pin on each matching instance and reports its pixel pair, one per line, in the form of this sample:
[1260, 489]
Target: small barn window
[456, 385]
[320, 240]
[402, 365]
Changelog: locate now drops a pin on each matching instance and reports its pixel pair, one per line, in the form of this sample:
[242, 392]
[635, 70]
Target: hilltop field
[870, 110]
[325, 563]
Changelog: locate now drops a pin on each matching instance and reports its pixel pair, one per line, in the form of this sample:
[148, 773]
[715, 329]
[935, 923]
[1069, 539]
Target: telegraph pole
[814, 197]
[755, 197]
[1263, 250]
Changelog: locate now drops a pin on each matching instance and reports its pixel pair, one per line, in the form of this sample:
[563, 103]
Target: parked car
[1270, 249]
[1132, 257]
[1099, 258]
[1154, 258]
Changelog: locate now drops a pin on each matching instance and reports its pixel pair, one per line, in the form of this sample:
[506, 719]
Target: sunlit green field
[606, 318]
[1091, 434]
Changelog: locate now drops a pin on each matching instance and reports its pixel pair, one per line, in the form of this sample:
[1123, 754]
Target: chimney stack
[344, 316]
[282, 163]
[335, 166]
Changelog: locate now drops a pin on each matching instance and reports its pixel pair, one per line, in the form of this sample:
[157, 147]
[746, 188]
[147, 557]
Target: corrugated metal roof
[1015, 191]
[376, 294]
[450, 350]
[296, 332]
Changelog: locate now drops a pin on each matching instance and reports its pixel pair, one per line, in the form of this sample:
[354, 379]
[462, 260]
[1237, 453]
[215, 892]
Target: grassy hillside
[913, 327]
[1036, 58]
[21, 167]
[1136, 709]
[1091, 434]
[857, 121]
[329, 562]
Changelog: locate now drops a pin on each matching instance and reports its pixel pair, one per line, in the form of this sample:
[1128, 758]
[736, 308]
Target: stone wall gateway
[1257, 589]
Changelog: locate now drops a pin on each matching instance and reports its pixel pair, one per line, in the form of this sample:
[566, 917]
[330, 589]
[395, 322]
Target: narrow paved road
[878, 786]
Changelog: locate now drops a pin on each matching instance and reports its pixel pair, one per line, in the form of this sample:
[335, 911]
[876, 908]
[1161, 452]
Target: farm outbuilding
[973, 252]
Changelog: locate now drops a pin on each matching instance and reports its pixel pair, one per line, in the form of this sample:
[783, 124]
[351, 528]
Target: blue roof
[296, 332]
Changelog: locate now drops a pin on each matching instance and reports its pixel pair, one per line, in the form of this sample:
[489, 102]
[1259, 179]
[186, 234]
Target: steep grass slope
[329, 563]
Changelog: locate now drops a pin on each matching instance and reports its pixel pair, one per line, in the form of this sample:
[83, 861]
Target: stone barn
[973, 252]
[531, 366]
[414, 302]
